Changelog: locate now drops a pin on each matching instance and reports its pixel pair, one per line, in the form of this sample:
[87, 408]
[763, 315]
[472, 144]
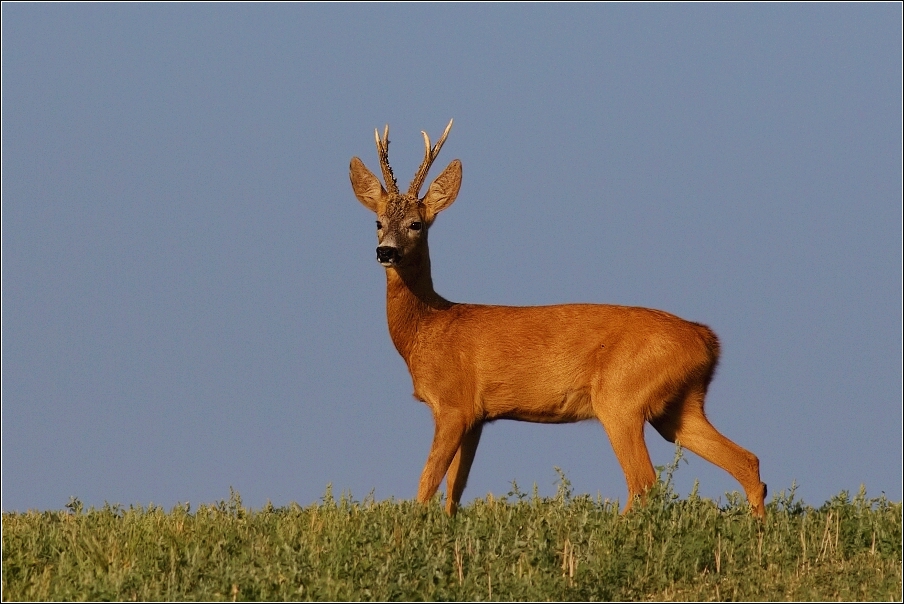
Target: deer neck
[410, 299]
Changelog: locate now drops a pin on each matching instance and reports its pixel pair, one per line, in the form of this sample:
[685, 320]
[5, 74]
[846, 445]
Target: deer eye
[415, 226]
[379, 225]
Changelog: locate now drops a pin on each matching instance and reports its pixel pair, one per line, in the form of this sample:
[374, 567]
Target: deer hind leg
[686, 423]
[457, 476]
[447, 439]
[626, 435]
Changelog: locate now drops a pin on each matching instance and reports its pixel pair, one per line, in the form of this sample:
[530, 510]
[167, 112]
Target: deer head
[403, 219]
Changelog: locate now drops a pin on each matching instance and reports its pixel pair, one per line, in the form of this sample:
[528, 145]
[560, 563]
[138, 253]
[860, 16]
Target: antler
[429, 156]
[383, 152]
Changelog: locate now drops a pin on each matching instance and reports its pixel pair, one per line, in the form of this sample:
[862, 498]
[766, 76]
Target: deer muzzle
[387, 255]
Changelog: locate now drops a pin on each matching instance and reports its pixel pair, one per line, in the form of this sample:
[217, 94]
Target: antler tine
[383, 151]
[429, 156]
[442, 139]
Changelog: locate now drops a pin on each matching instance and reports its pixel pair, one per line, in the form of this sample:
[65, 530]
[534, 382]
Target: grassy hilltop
[519, 547]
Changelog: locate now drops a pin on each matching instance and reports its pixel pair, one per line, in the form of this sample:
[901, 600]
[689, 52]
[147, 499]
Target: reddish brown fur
[475, 363]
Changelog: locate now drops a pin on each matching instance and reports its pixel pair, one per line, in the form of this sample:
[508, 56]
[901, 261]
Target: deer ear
[367, 187]
[443, 191]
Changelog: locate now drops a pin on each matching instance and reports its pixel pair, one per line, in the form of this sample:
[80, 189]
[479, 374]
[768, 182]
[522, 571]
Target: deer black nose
[386, 253]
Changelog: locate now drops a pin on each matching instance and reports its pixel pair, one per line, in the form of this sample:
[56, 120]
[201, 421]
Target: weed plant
[518, 547]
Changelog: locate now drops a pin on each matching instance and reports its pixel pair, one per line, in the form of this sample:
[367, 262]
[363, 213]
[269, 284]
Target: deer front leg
[461, 465]
[447, 438]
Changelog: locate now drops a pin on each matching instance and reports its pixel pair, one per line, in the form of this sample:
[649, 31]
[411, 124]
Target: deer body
[472, 363]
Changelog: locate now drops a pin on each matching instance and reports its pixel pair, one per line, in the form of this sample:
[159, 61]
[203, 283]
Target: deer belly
[501, 402]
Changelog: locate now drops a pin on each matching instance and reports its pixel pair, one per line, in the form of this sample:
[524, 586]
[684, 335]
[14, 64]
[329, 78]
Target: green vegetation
[519, 547]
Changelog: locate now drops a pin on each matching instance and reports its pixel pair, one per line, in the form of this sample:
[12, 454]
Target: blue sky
[190, 295]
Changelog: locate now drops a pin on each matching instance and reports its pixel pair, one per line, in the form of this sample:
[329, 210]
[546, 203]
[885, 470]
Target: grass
[518, 547]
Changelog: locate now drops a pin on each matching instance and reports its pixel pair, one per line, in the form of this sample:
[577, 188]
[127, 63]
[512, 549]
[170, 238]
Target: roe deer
[473, 364]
